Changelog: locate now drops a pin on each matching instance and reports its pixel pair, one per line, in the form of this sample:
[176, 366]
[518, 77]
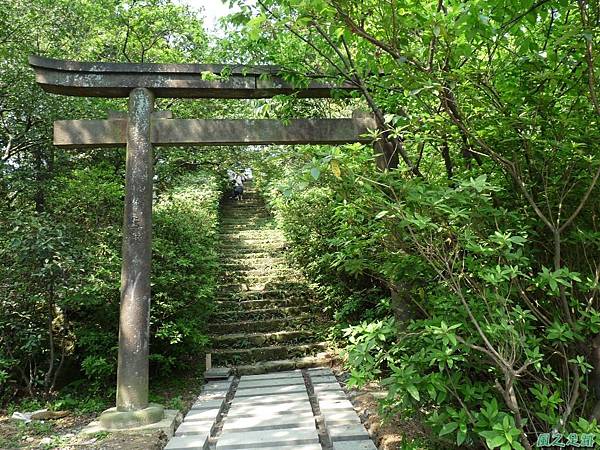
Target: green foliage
[184, 271]
[80, 262]
[61, 210]
[485, 235]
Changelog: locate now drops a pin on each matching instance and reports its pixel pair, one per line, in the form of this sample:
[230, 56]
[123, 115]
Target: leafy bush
[487, 354]
[59, 298]
[184, 269]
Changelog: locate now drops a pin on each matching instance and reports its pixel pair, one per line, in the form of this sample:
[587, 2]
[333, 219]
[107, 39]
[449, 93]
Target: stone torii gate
[139, 130]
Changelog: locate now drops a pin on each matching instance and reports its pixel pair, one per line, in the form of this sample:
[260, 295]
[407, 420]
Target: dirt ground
[63, 434]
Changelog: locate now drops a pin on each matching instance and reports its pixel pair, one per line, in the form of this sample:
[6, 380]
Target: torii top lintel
[100, 79]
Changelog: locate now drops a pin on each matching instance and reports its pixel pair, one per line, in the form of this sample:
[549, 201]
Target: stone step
[261, 214]
[243, 208]
[251, 270]
[243, 254]
[254, 326]
[227, 316]
[232, 219]
[245, 229]
[250, 198]
[252, 305]
[249, 226]
[243, 216]
[236, 249]
[258, 240]
[300, 292]
[321, 360]
[246, 224]
[248, 229]
[259, 275]
[250, 236]
[236, 356]
[250, 264]
[245, 340]
[227, 288]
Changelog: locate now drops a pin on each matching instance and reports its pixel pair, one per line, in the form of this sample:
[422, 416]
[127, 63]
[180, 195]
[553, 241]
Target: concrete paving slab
[347, 432]
[328, 387]
[281, 398]
[269, 421]
[273, 438]
[265, 409]
[354, 445]
[294, 447]
[217, 373]
[203, 427]
[217, 386]
[323, 379]
[271, 390]
[320, 371]
[331, 395]
[339, 416]
[188, 443]
[202, 414]
[246, 384]
[335, 404]
[213, 395]
[208, 404]
[263, 376]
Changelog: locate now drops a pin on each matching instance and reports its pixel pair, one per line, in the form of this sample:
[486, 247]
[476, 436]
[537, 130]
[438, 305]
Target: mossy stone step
[321, 360]
[260, 215]
[254, 326]
[250, 256]
[259, 275]
[244, 340]
[227, 288]
[238, 236]
[233, 240]
[248, 230]
[275, 249]
[236, 217]
[247, 208]
[256, 222]
[232, 244]
[302, 293]
[245, 228]
[253, 305]
[252, 264]
[230, 315]
[223, 357]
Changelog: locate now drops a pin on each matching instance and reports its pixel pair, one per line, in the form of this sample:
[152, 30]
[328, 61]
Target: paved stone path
[293, 410]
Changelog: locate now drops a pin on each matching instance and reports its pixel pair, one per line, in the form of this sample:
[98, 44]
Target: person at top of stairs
[238, 187]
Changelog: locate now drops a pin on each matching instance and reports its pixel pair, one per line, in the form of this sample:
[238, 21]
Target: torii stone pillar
[134, 319]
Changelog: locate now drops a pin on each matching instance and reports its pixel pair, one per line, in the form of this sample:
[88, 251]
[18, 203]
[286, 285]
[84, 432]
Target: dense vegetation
[61, 211]
[474, 263]
[460, 259]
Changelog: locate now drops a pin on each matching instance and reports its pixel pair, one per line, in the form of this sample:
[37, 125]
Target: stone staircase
[266, 317]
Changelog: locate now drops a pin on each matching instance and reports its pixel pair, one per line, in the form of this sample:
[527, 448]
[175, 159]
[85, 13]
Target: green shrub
[59, 298]
[486, 354]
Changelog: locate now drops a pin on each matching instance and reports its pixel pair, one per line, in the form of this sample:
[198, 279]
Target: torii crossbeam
[142, 128]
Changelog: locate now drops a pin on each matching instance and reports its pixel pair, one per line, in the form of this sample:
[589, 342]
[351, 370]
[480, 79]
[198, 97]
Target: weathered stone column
[134, 322]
